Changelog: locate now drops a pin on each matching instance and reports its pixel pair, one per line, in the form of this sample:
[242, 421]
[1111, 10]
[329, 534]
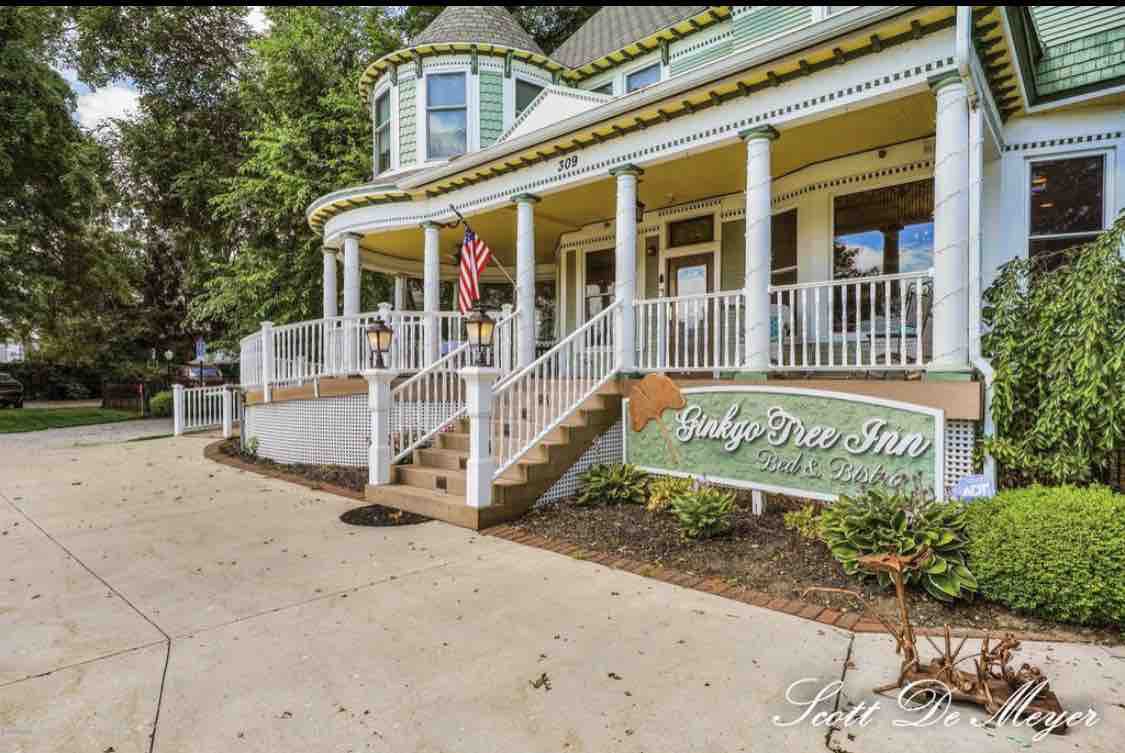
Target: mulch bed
[761, 554]
[333, 478]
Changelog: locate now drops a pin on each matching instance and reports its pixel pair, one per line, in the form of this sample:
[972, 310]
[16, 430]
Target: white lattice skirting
[337, 431]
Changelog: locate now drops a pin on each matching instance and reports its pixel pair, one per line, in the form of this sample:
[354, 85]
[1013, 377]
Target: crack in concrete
[84, 662]
[836, 704]
[118, 594]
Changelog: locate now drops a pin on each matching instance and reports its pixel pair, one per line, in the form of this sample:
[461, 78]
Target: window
[545, 298]
[599, 281]
[692, 231]
[525, 93]
[383, 133]
[884, 231]
[604, 89]
[446, 116]
[642, 78]
[783, 248]
[1067, 206]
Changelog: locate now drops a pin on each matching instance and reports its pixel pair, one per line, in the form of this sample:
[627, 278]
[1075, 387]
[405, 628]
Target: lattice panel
[330, 431]
[607, 448]
[960, 439]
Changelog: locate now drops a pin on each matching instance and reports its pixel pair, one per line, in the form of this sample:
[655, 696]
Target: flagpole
[465, 222]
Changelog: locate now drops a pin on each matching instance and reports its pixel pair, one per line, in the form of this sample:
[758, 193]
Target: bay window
[446, 115]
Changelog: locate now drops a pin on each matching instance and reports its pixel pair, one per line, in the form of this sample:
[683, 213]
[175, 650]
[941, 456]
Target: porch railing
[534, 401]
[205, 408]
[691, 333]
[880, 323]
[429, 401]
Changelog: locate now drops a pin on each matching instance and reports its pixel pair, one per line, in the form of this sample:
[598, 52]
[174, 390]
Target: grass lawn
[34, 419]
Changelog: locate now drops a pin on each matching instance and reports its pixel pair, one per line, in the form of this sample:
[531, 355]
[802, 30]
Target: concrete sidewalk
[148, 591]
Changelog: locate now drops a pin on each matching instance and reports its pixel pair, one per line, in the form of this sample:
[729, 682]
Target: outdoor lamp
[479, 329]
[379, 336]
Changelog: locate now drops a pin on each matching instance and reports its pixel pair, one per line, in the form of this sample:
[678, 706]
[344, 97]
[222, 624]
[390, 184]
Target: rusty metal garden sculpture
[991, 683]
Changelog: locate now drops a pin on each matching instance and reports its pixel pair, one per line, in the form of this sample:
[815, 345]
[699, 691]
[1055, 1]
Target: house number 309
[568, 163]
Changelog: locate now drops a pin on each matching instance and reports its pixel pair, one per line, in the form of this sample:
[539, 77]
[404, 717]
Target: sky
[119, 99]
[915, 248]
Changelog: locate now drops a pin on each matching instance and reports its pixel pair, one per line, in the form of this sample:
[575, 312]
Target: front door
[691, 340]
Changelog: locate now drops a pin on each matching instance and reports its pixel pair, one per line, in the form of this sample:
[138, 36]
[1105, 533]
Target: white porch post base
[525, 278]
[431, 293]
[480, 465]
[228, 412]
[379, 401]
[177, 409]
[267, 360]
[758, 241]
[625, 272]
[951, 228]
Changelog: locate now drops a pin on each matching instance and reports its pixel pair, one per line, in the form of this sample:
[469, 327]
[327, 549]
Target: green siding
[711, 52]
[765, 21]
[1083, 62]
[491, 108]
[1059, 24]
[652, 267]
[407, 126]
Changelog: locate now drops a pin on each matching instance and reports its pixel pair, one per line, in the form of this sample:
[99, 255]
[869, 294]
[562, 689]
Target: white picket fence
[205, 408]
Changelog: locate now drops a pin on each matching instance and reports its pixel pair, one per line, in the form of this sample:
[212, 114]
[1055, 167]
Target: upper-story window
[604, 89]
[526, 92]
[446, 115]
[383, 133]
[646, 76]
[1067, 206]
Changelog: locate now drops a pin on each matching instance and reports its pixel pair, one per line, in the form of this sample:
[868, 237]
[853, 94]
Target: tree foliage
[1057, 344]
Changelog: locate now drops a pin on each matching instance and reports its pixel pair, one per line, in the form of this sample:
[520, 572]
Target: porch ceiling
[701, 175]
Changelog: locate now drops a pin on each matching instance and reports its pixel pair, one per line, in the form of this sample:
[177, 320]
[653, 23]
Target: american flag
[475, 256]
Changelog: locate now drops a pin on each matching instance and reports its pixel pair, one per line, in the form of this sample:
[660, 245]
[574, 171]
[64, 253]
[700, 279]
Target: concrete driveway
[152, 600]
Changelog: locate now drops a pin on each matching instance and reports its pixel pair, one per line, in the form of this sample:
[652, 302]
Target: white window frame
[625, 74]
[468, 79]
[390, 126]
[1109, 169]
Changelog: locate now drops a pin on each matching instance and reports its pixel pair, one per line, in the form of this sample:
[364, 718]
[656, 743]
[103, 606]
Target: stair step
[459, 440]
[431, 504]
[447, 481]
[455, 460]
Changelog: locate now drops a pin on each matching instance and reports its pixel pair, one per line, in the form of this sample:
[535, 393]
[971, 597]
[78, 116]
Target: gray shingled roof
[490, 24]
[615, 26]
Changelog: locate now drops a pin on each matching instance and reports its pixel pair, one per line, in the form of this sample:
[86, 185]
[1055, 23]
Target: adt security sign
[973, 487]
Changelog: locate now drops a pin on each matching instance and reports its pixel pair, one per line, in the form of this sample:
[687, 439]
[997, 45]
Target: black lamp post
[479, 329]
[379, 336]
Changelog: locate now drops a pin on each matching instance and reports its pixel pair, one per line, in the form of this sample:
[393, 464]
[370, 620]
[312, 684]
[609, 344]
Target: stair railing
[432, 399]
[532, 402]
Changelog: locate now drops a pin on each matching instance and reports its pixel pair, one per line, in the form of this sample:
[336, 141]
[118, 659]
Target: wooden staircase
[433, 485]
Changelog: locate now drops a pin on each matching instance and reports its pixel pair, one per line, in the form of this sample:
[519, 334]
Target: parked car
[194, 375]
[11, 391]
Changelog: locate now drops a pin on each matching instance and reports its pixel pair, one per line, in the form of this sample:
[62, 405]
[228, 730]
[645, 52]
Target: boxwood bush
[1056, 552]
[160, 404]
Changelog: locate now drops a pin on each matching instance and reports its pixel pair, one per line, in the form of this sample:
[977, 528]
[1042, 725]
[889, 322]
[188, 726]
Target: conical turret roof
[480, 24]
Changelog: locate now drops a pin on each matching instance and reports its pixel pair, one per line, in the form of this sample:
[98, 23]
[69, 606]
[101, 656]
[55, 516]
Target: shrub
[662, 490]
[613, 485]
[160, 404]
[902, 522]
[805, 521]
[704, 512]
[1057, 552]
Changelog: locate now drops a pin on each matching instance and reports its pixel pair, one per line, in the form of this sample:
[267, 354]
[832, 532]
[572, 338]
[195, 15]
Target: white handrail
[878, 322]
[539, 397]
[432, 399]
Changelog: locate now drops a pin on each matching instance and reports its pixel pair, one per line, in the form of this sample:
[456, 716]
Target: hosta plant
[904, 523]
[662, 490]
[703, 512]
[613, 485]
[805, 522]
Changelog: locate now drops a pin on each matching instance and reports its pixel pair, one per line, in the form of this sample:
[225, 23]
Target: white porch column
[330, 294]
[525, 278]
[480, 465]
[351, 274]
[431, 292]
[228, 411]
[758, 217]
[625, 272]
[267, 360]
[177, 409]
[951, 228]
[379, 401]
[400, 292]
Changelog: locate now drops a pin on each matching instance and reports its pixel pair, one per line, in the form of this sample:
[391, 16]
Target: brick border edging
[214, 453]
[850, 621]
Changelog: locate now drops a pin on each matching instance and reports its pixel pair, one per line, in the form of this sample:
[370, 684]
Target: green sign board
[806, 443]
